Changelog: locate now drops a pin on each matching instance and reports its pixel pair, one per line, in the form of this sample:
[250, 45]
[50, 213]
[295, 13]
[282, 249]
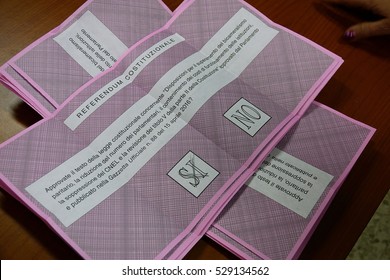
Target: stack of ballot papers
[160, 128]
[48, 71]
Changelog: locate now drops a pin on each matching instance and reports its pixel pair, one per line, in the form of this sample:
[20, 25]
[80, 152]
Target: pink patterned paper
[256, 227]
[44, 75]
[151, 215]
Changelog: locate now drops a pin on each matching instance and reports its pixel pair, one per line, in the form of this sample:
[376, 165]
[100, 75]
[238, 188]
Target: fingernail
[349, 34]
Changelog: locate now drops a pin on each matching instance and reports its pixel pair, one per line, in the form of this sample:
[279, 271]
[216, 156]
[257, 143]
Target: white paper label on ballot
[91, 44]
[290, 181]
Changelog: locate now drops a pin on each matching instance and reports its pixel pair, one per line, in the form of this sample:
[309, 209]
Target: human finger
[368, 29]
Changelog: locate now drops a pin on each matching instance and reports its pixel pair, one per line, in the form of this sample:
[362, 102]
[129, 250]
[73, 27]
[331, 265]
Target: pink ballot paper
[274, 215]
[89, 42]
[140, 160]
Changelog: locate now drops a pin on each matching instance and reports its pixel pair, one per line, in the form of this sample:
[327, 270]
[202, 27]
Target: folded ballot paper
[140, 160]
[48, 71]
[274, 215]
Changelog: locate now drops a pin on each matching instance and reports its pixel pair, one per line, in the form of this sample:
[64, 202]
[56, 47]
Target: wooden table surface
[360, 89]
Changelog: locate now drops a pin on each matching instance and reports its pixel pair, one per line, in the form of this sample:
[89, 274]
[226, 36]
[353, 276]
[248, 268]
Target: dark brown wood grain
[359, 89]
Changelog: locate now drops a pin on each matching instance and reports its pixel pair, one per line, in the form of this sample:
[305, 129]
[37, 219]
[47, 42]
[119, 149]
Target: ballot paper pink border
[32, 99]
[231, 246]
[311, 226]
[237, 180]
